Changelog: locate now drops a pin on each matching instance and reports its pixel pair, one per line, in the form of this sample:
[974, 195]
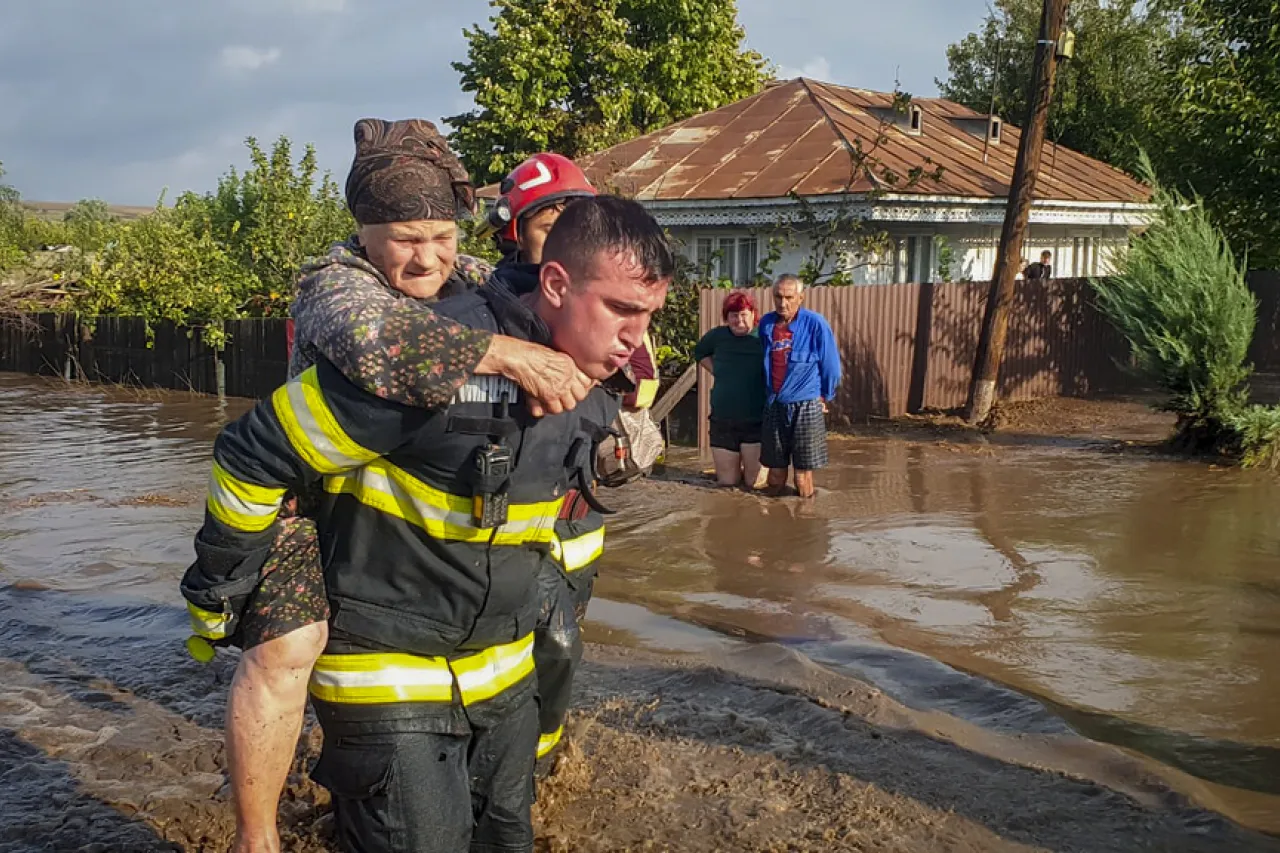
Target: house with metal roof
[728, 182]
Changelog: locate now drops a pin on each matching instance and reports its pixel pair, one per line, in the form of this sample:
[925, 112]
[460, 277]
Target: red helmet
[542, 180]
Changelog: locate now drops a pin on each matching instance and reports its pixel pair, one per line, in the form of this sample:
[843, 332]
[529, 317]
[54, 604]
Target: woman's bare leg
[264, 718]
[728, 466]
[751, 465]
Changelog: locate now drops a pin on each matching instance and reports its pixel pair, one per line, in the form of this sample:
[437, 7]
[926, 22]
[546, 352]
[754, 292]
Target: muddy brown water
[1031, 589]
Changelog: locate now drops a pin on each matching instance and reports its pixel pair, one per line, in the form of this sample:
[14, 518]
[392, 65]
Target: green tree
[165, 267]
[1229, 113]
[474, 242]
[271, 218]
[576, 76]
[1111, 98]
[11, 226]
[89, 224]
[675, 327]
[231, 253]
[1179, 296]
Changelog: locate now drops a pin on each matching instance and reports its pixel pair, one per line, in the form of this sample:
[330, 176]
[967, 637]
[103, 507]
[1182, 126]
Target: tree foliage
[576, 76]
[88, 225]
[1194, 82]
[166, 267]
[1107, 99]
[1179, 297]
[230, 253]
[674, 328]
[1229, 116]
[11, 222]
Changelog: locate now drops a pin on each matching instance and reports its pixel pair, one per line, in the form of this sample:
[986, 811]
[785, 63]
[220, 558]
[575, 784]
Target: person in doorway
[432, 522]
[732, 353]
[365, 309]
[1042, 271]
[802, 373]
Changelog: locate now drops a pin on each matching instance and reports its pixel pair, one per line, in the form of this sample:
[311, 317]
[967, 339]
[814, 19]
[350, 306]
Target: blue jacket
[813, 368]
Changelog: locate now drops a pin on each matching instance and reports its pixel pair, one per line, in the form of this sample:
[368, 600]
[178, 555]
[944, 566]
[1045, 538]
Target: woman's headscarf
[404, 171]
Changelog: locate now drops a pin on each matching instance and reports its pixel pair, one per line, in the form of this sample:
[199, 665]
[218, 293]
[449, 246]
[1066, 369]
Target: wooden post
[220, 370]
[995, 321]
[674, 394]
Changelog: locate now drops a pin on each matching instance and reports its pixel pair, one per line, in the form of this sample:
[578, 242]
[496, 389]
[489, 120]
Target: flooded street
[1031, 591]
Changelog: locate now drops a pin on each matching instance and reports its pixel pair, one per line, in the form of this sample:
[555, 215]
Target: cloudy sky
[121, 99]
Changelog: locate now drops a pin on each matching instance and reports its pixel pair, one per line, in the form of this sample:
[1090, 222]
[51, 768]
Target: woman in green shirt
[732, 353]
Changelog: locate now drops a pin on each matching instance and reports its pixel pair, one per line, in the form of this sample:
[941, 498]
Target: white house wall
[1078, 250]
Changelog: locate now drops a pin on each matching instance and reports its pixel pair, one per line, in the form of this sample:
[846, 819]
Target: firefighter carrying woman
[437, 465]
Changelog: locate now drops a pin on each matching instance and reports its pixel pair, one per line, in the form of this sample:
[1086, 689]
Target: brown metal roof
[801, 136]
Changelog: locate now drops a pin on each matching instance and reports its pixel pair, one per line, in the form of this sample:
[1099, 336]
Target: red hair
[737, 301]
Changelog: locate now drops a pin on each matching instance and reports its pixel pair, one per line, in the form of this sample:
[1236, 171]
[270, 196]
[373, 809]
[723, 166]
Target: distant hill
[55, 210]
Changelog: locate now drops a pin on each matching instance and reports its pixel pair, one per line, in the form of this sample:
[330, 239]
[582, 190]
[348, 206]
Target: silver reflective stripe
[317, 434]
[239, 504]
[487, 389]
[373, 478]
[386, 676]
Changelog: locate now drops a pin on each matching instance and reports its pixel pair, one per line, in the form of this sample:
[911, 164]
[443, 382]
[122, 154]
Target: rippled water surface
[1131, 600]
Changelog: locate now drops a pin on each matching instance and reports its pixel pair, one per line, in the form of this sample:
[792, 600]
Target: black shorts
[795, 436]
[731, 435]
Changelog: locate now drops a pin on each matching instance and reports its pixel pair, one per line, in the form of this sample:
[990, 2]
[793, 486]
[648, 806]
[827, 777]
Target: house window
[879, 267]
[732, 258]
[995, 131]
[917, 120]
[702, 254]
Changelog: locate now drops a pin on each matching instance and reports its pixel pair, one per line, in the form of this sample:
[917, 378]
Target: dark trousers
[422, 792]
[557, 647]
[582, 586]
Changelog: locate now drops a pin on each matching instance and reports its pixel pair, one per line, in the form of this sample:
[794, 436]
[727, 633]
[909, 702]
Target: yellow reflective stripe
[579, 552]
[207, 624]
[312, 429]
[487, 674]
[548, 742]
[392, 490]
[378, 678]
[646, 393]
[647, 389]
[371, 679]
[241, 505]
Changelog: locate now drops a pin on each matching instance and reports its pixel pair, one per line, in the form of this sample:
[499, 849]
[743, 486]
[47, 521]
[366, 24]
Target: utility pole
[995, 322]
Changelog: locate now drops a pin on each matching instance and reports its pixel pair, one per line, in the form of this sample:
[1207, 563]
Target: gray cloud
[120, 100]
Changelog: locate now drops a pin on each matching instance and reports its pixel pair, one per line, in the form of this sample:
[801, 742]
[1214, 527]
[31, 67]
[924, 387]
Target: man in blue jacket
[801, 372]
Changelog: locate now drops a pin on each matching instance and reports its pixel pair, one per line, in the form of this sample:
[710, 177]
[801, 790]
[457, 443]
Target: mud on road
[663, 754]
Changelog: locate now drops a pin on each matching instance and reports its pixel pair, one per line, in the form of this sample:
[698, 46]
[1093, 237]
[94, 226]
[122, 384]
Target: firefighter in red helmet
[532, 197]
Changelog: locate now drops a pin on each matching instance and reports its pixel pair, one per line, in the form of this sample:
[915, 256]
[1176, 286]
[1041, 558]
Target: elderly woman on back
[365, 307]
[733, 354]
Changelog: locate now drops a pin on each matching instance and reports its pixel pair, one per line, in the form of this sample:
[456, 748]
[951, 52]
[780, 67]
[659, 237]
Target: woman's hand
[551, 379]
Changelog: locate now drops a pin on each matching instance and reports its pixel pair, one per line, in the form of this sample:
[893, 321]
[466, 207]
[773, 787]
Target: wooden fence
[905, 347]
[116, 349]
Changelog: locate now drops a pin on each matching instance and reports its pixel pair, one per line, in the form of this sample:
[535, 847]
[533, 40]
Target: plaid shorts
[794, 435]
